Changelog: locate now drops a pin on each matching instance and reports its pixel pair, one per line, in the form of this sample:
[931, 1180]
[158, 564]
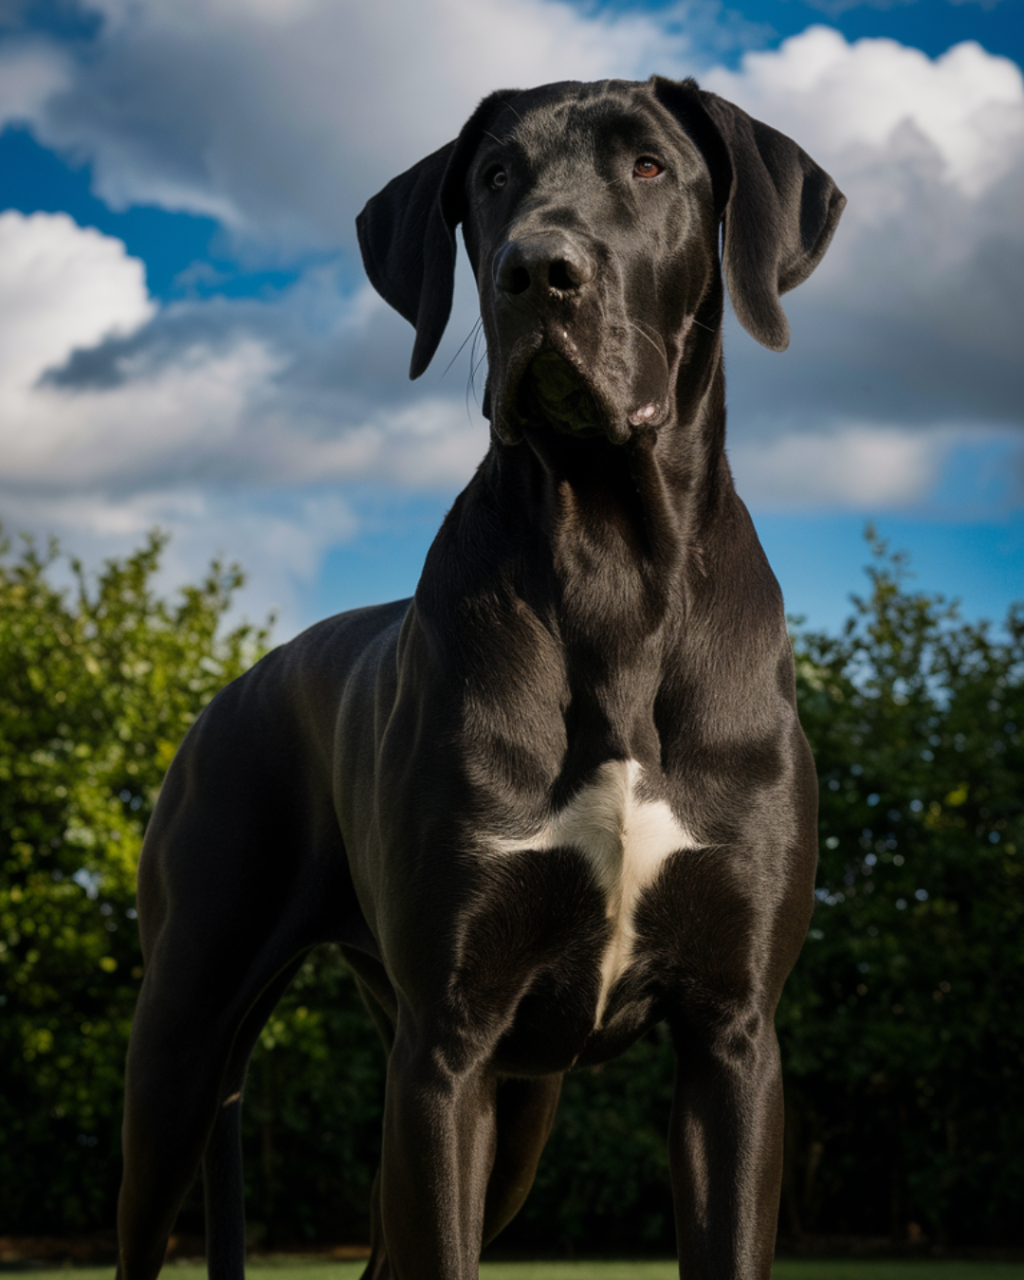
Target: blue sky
[187, 339]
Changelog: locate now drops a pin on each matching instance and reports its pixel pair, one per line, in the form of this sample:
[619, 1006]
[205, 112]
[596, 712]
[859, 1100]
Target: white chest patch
[624, 838]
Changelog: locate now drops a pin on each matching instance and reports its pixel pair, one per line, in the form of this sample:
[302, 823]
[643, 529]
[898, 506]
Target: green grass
[785, 1269]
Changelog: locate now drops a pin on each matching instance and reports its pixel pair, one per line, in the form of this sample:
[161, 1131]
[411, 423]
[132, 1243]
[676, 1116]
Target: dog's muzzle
[551, 390]
[545, 297]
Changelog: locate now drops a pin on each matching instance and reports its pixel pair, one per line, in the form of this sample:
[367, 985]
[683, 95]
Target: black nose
[543, 265]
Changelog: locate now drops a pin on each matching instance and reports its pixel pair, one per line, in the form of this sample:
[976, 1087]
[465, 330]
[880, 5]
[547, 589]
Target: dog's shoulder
[292, 695]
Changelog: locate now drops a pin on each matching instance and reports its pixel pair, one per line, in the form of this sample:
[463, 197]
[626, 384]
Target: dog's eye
[645, 167]
[496, 179]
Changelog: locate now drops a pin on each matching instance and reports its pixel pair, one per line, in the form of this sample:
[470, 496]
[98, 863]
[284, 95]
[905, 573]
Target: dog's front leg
[439, 1148]
[726, 1146]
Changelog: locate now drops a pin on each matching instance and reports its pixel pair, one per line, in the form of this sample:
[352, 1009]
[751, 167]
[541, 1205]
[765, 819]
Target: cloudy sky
[187, 338]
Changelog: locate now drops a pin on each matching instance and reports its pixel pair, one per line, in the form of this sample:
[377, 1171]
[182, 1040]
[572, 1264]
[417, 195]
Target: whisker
[470, 387]
[634, 324]
[462, 345]
[478, 366]
[474, 367]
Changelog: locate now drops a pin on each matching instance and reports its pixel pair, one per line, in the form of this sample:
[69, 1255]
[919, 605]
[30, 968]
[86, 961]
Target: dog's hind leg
[223, 1184]
[243, 870]
[525, 1113]
[379, 1002]
[191, 1040]
[223, 929]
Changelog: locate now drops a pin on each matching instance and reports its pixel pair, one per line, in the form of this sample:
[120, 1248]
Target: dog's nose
[543, 265]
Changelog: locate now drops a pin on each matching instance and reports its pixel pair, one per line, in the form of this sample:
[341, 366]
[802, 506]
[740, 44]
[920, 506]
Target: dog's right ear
[408, 247]
[407, 238]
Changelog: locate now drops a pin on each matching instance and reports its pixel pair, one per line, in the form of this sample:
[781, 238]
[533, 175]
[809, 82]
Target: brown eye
[496, 179]
[645, 167]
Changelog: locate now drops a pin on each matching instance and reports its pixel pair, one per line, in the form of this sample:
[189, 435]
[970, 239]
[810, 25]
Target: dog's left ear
[779, 208]
[407, 238]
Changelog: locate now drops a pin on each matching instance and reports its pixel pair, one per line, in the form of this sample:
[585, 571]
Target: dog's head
[591, 215]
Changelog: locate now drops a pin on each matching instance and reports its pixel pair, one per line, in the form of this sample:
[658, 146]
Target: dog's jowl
[560, 795]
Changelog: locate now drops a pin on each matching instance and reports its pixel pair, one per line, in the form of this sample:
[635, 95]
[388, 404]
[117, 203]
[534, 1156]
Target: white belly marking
[625, 839]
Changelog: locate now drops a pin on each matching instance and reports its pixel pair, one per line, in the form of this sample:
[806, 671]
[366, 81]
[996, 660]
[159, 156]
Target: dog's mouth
[546, 388]
[553, 391]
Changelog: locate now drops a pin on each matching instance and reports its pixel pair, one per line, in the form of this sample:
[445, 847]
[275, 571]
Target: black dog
[560, 795]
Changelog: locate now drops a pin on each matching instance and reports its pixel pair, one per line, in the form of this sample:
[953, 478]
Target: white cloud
[433, 443]
[63, 286]
[205, 441]
[31, 73]
[852, 101]
[913, 319]
[853, 467]
[207, 405]
[280, 117]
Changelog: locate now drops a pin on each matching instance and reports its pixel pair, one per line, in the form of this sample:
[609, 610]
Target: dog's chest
[625, 838]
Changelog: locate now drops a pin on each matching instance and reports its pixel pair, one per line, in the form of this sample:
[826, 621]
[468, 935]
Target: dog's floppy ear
[407, 238]
[408, 247]
[779, 208]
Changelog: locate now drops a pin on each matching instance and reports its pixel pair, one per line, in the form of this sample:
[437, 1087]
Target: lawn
[785, 1269]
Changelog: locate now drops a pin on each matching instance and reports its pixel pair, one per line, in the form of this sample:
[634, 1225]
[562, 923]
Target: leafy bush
[901, 1029]
[98, 683]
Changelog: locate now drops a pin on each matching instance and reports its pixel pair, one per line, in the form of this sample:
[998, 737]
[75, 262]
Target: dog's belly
[624, 840]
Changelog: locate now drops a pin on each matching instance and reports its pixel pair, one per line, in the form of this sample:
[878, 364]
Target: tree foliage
[900, 1027]
[98, 683]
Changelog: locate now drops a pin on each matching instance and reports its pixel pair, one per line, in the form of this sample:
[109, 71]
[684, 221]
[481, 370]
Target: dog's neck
[616, 532]
[582, 572]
